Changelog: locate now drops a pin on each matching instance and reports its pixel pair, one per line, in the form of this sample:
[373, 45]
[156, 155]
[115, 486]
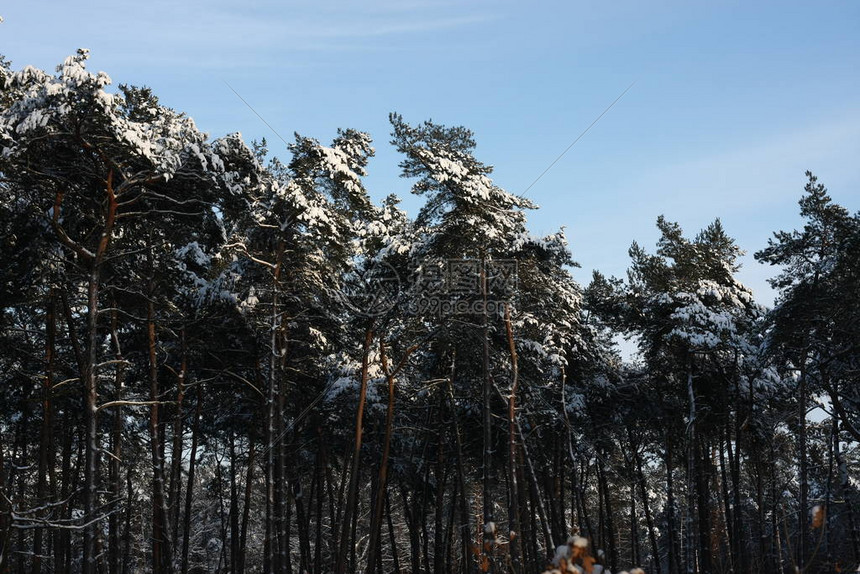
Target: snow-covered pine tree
[93, 166]
[809, 329]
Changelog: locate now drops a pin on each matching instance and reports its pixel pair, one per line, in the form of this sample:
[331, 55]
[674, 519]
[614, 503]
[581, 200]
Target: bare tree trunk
[441, 475]
[465, 514]
[175, 488]
[671, 520]
[282, 495]
[703, 498]
[90, 378]
[844, 488]
[516, 551]
[303, 524]
[634, 527]
[126, 535]
[46, 438]
[22, 464]
[392, 539]
[555, 500]
[727, 526]
[353, 548]
[116, 477]
[803, 513]
[603, 486]
[5, 511]
[337, 515]
[450, 528]
[62, 550]
[234, 507]
[740, 553]
[279, 541]
[375, 545]
[270, 540]
[527, 501]
[189, 490]
[534, 493]
[246, 508]
[692, 559]
[776, 541]
[828, 501]
[161, 563]
[414, 531]
[351, 500]
[222, 514]
[321, 492]
[489, 542]
[419, 511]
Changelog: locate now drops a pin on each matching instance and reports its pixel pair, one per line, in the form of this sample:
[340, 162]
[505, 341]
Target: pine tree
[807, 328]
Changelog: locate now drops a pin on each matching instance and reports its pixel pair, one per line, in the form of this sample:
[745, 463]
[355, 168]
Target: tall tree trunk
[741, 548]
[189, 490]
[450, 528]
[392, 539]
[464, 507]
[828, 500]
[775, 494]
[534, 492]
[270, 541]
[5, 511]
[90, 377]
[116, 475]
[420, 511]
[234, 507]
[161, 563]
[704, 508]
[222, 513]
[603, 487]
[527, 500]
[129, 510]
[302, 523]
[352, 496]
[62, 550]
[649, 519]
[513, 492]
[441, 475]
[175, 488]
[375, 545]
[803, 513]
[634, 527]
[671, 521]
[692, 472]
[321, 492]
[532, 558]
[414, 531]
[845, 489]
[91, 464]
[246, 507]
[19, 455]
[46, 437]
[489, 542]
[727, 525]
[282, 494]
[69, 472]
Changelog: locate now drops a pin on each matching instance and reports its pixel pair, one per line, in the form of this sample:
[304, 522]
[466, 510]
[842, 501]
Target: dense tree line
[214, 361]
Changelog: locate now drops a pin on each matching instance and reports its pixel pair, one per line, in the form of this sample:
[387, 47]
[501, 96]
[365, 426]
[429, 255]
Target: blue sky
[733, 100]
